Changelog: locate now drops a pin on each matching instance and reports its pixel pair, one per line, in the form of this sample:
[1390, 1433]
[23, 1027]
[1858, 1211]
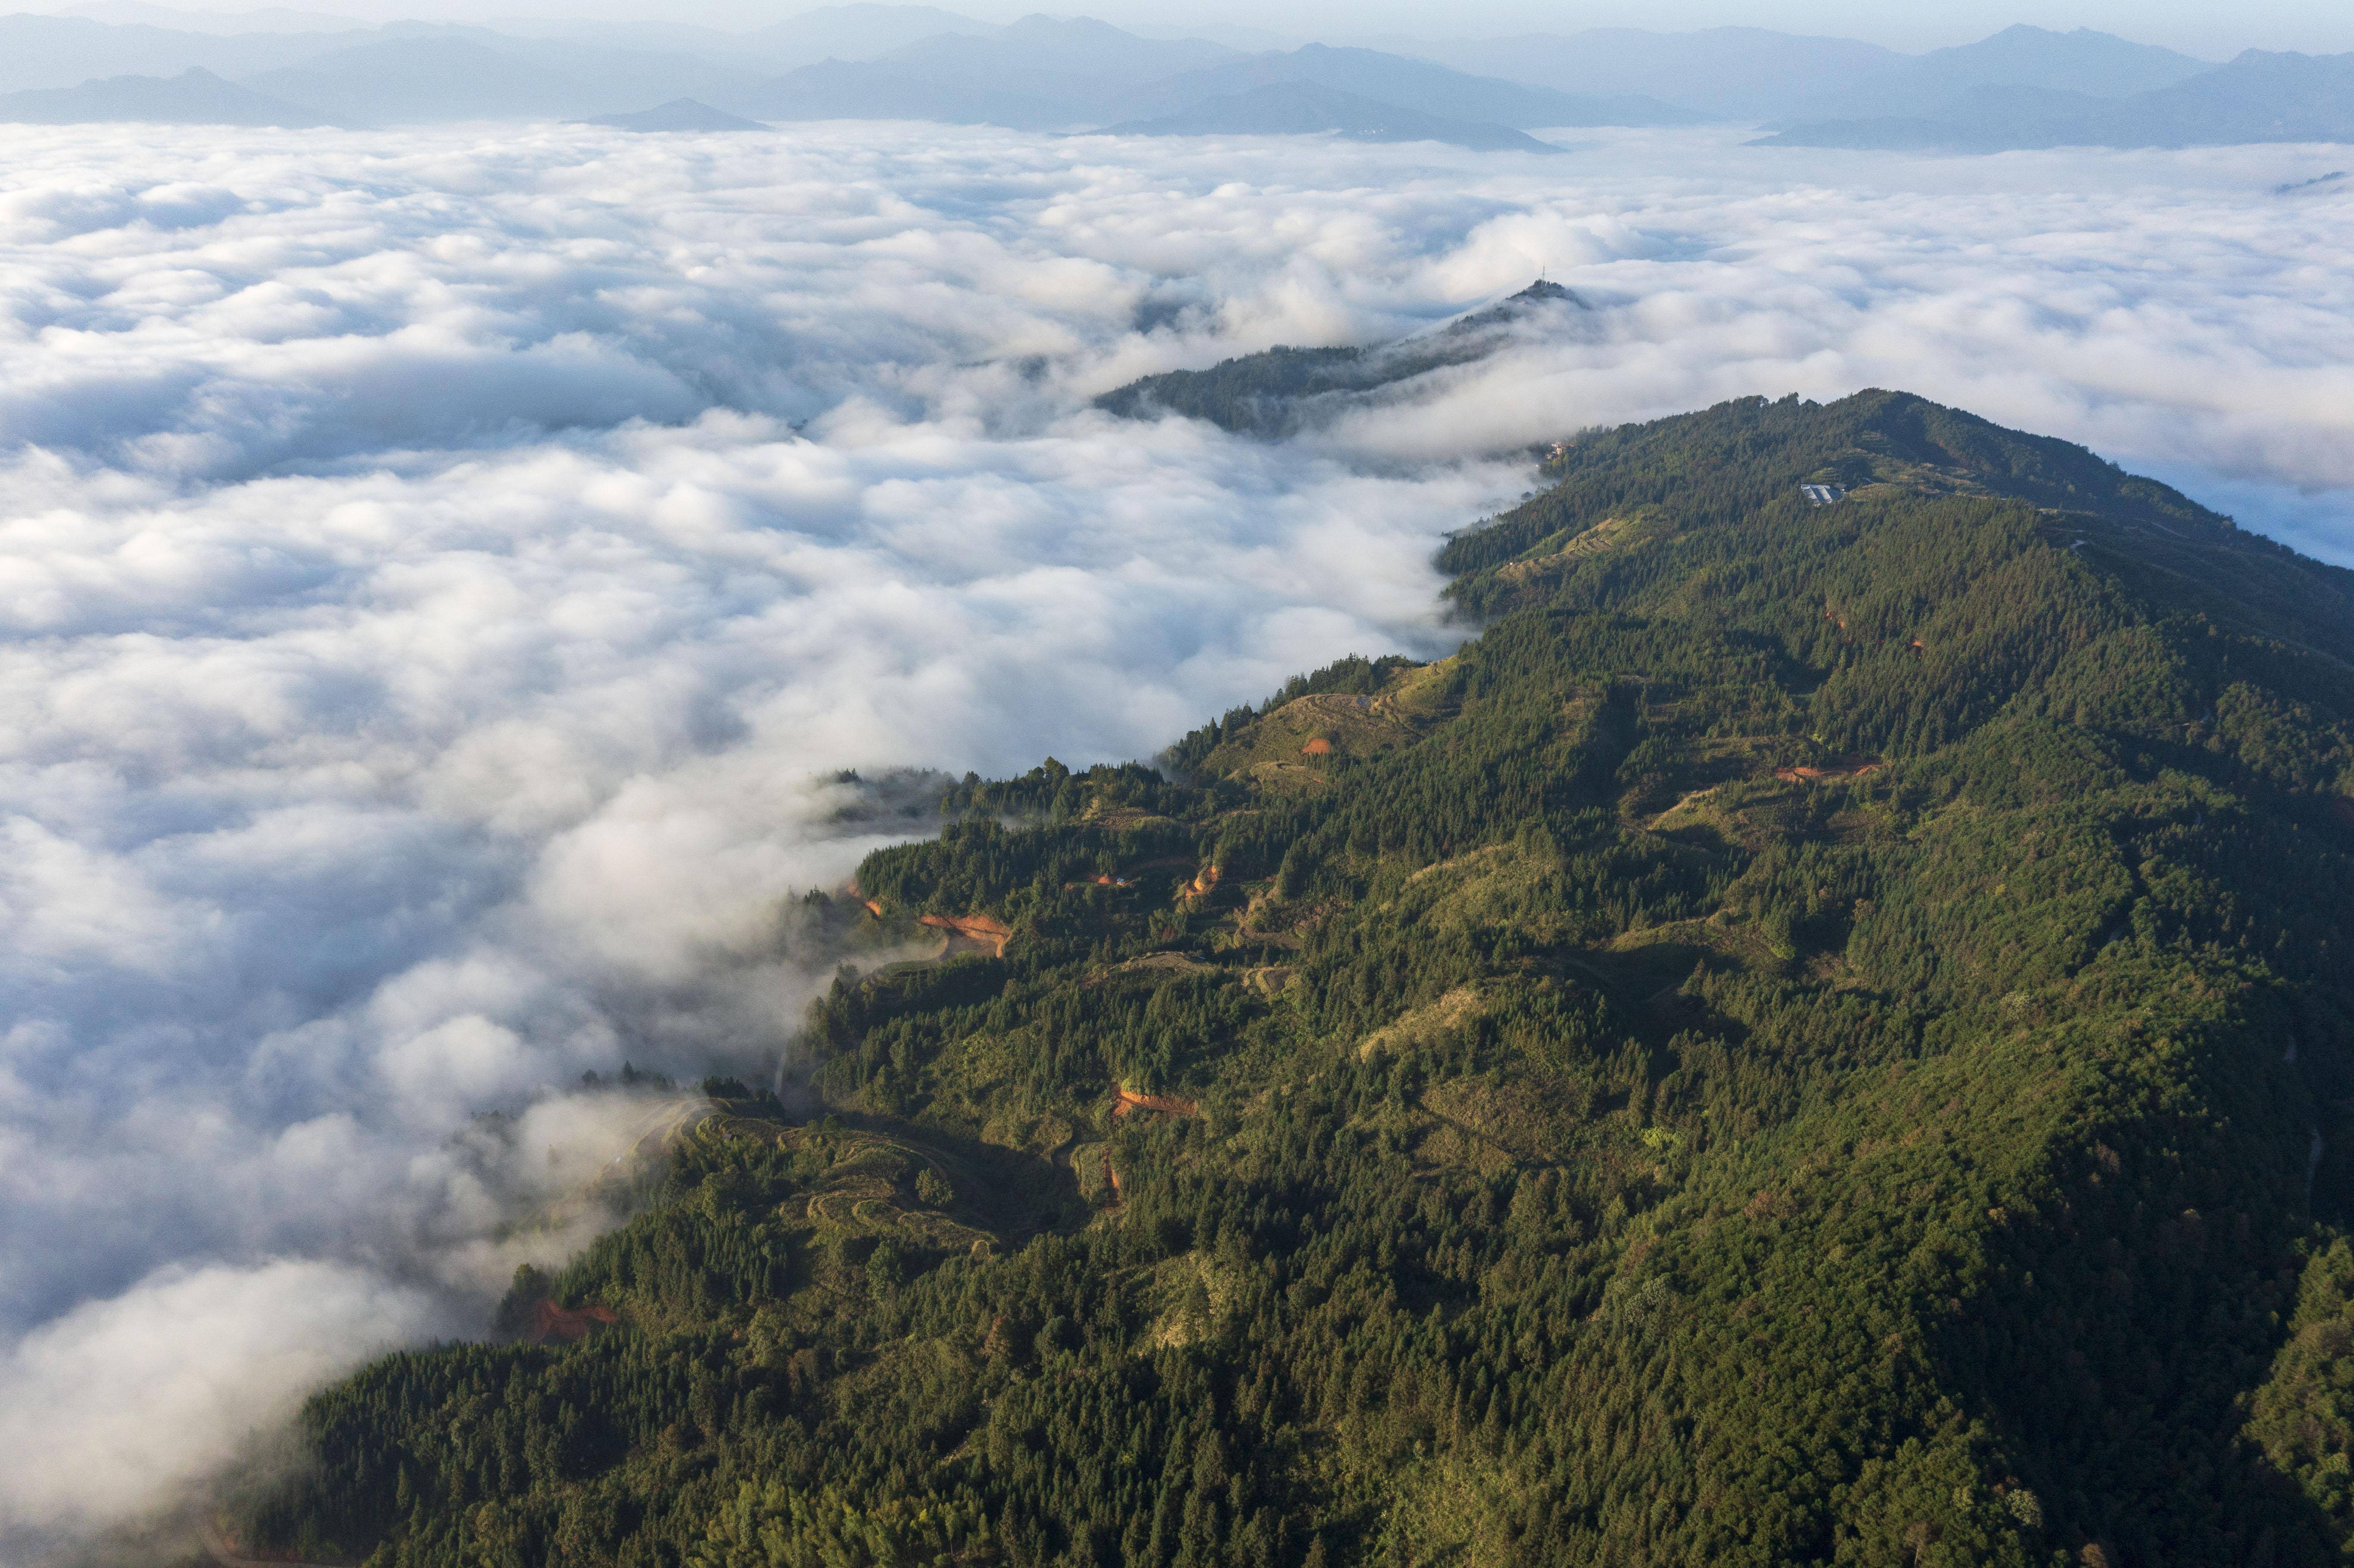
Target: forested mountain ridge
[1281, 390]
[1822, 1035]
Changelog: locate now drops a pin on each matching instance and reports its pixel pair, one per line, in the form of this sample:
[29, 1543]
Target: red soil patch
[2342, 807]
[549, 1321]
[1808, 775]
[986, 930]
[1319, 747]
[1129, 1100]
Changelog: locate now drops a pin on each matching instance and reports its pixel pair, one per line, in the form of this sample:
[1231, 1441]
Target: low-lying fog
[442, 571]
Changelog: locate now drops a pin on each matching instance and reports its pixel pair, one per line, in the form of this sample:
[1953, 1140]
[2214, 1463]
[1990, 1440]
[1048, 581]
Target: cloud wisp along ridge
[443, 576]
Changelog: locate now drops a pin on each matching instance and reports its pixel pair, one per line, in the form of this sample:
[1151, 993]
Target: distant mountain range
[1040, 73]
[2259, 97]
[1047, 74]
[1305, 109]
[2024, 87]
[1731, 73]
[68, 51]
[194, 97]
[426, 79]
[2096, 65]
[1419, 85]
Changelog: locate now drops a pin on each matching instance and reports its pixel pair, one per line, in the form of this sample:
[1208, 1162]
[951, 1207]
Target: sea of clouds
[443, 576]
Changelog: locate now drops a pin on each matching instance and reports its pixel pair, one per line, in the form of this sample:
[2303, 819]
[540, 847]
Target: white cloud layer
[439, 574]
[117, 1405]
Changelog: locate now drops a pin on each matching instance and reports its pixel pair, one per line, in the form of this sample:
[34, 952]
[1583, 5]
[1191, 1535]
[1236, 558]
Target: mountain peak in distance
[678, 114]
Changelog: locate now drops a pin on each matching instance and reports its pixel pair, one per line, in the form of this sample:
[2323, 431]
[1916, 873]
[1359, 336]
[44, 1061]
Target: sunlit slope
[1824, 1034]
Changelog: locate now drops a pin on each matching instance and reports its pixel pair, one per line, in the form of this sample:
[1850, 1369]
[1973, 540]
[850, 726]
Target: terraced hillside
[1822, 1035]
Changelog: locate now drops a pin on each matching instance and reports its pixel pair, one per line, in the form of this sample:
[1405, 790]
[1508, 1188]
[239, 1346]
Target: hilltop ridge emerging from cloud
[1282, 390]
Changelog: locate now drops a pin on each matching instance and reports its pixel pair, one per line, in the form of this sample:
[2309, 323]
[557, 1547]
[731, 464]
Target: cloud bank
[443, 575]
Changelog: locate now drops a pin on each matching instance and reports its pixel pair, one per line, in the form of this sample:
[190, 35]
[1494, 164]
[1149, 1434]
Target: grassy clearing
[1310, 729]
[1561, 551]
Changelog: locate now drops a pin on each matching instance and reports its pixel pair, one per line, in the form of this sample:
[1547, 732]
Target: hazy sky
[2216, 32]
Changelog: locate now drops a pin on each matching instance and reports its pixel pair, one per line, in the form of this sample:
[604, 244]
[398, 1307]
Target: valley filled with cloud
[449, 578]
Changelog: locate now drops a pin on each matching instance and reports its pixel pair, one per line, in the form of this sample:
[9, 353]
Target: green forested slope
[1822, 1035]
